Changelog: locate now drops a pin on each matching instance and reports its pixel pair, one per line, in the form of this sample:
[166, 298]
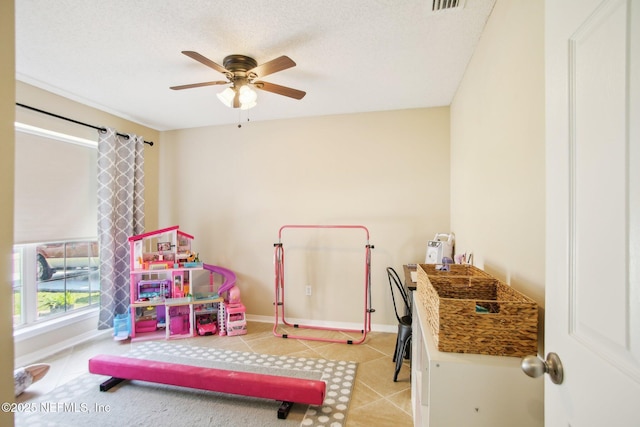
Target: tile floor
[376, 399]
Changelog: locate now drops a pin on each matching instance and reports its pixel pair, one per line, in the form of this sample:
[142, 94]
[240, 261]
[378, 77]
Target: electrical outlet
[308, 291]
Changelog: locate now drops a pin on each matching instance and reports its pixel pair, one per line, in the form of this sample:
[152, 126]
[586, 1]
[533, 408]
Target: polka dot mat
[339, 375]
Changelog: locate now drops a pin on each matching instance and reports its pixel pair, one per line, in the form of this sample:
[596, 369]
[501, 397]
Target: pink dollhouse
[165, 300]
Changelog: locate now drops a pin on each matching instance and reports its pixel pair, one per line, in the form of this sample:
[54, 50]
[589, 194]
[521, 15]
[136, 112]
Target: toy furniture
[285, 389]
[236, 324]
[280, 288]
[121, 326]
[179, 323]
[163, 288]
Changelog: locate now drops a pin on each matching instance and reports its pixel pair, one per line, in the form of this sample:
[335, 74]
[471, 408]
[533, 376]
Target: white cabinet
[471, 390]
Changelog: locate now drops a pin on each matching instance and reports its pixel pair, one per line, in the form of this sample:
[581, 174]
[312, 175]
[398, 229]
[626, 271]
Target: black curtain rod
[101, 129]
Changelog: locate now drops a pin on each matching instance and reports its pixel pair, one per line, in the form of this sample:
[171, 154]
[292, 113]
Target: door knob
[535, 367]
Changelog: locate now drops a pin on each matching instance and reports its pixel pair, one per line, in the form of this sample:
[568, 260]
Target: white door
[592, 313]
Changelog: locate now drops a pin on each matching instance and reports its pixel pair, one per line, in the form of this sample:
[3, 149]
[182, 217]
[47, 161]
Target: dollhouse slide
[228, 275]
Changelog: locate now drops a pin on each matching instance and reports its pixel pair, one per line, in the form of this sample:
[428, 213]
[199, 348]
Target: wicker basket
[454, 271]
[470, 311]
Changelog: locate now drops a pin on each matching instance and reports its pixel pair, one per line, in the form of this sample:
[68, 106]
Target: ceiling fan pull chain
[240, 118]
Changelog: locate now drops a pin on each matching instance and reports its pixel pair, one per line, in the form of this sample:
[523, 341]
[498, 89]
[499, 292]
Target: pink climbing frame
[279, 303]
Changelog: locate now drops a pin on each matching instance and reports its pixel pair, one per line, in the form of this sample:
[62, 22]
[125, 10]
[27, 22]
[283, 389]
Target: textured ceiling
[352, 55]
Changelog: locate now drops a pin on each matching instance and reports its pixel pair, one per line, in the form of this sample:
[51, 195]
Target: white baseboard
[66, 331]
[327, 324]
[45, 352]
[59, 346]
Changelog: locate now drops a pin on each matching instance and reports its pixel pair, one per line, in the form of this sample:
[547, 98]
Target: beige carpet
[136, 403]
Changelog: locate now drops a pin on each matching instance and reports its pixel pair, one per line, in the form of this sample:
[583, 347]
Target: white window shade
[55, 187]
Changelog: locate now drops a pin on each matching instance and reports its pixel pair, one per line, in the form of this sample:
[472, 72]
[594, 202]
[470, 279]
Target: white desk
[471, 390]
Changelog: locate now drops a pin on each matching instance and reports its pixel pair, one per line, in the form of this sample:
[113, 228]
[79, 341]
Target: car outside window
[54, 278]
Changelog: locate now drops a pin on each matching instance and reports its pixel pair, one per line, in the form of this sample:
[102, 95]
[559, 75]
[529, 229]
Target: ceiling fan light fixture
[226, 97]
[247, 97]
[247, 105]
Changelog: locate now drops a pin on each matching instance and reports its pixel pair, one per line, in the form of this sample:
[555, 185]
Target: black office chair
[403, 342]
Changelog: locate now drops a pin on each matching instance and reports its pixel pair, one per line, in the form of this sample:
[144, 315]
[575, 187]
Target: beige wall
[7, 97]
[234, 188]
[498, 147]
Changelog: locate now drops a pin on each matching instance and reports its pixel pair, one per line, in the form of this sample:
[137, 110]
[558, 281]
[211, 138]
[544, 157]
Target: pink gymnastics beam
[285, 389]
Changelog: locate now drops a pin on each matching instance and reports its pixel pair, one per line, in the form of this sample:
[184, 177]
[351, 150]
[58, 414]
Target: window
[55, 258]
[55, 187]
[51, 279]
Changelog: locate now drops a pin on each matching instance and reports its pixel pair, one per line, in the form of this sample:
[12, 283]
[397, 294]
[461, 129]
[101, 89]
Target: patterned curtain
[120, 215]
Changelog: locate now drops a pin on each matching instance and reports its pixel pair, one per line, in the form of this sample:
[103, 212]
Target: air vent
[440, 5]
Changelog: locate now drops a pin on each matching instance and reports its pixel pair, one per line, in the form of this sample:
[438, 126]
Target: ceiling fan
[243, 72]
